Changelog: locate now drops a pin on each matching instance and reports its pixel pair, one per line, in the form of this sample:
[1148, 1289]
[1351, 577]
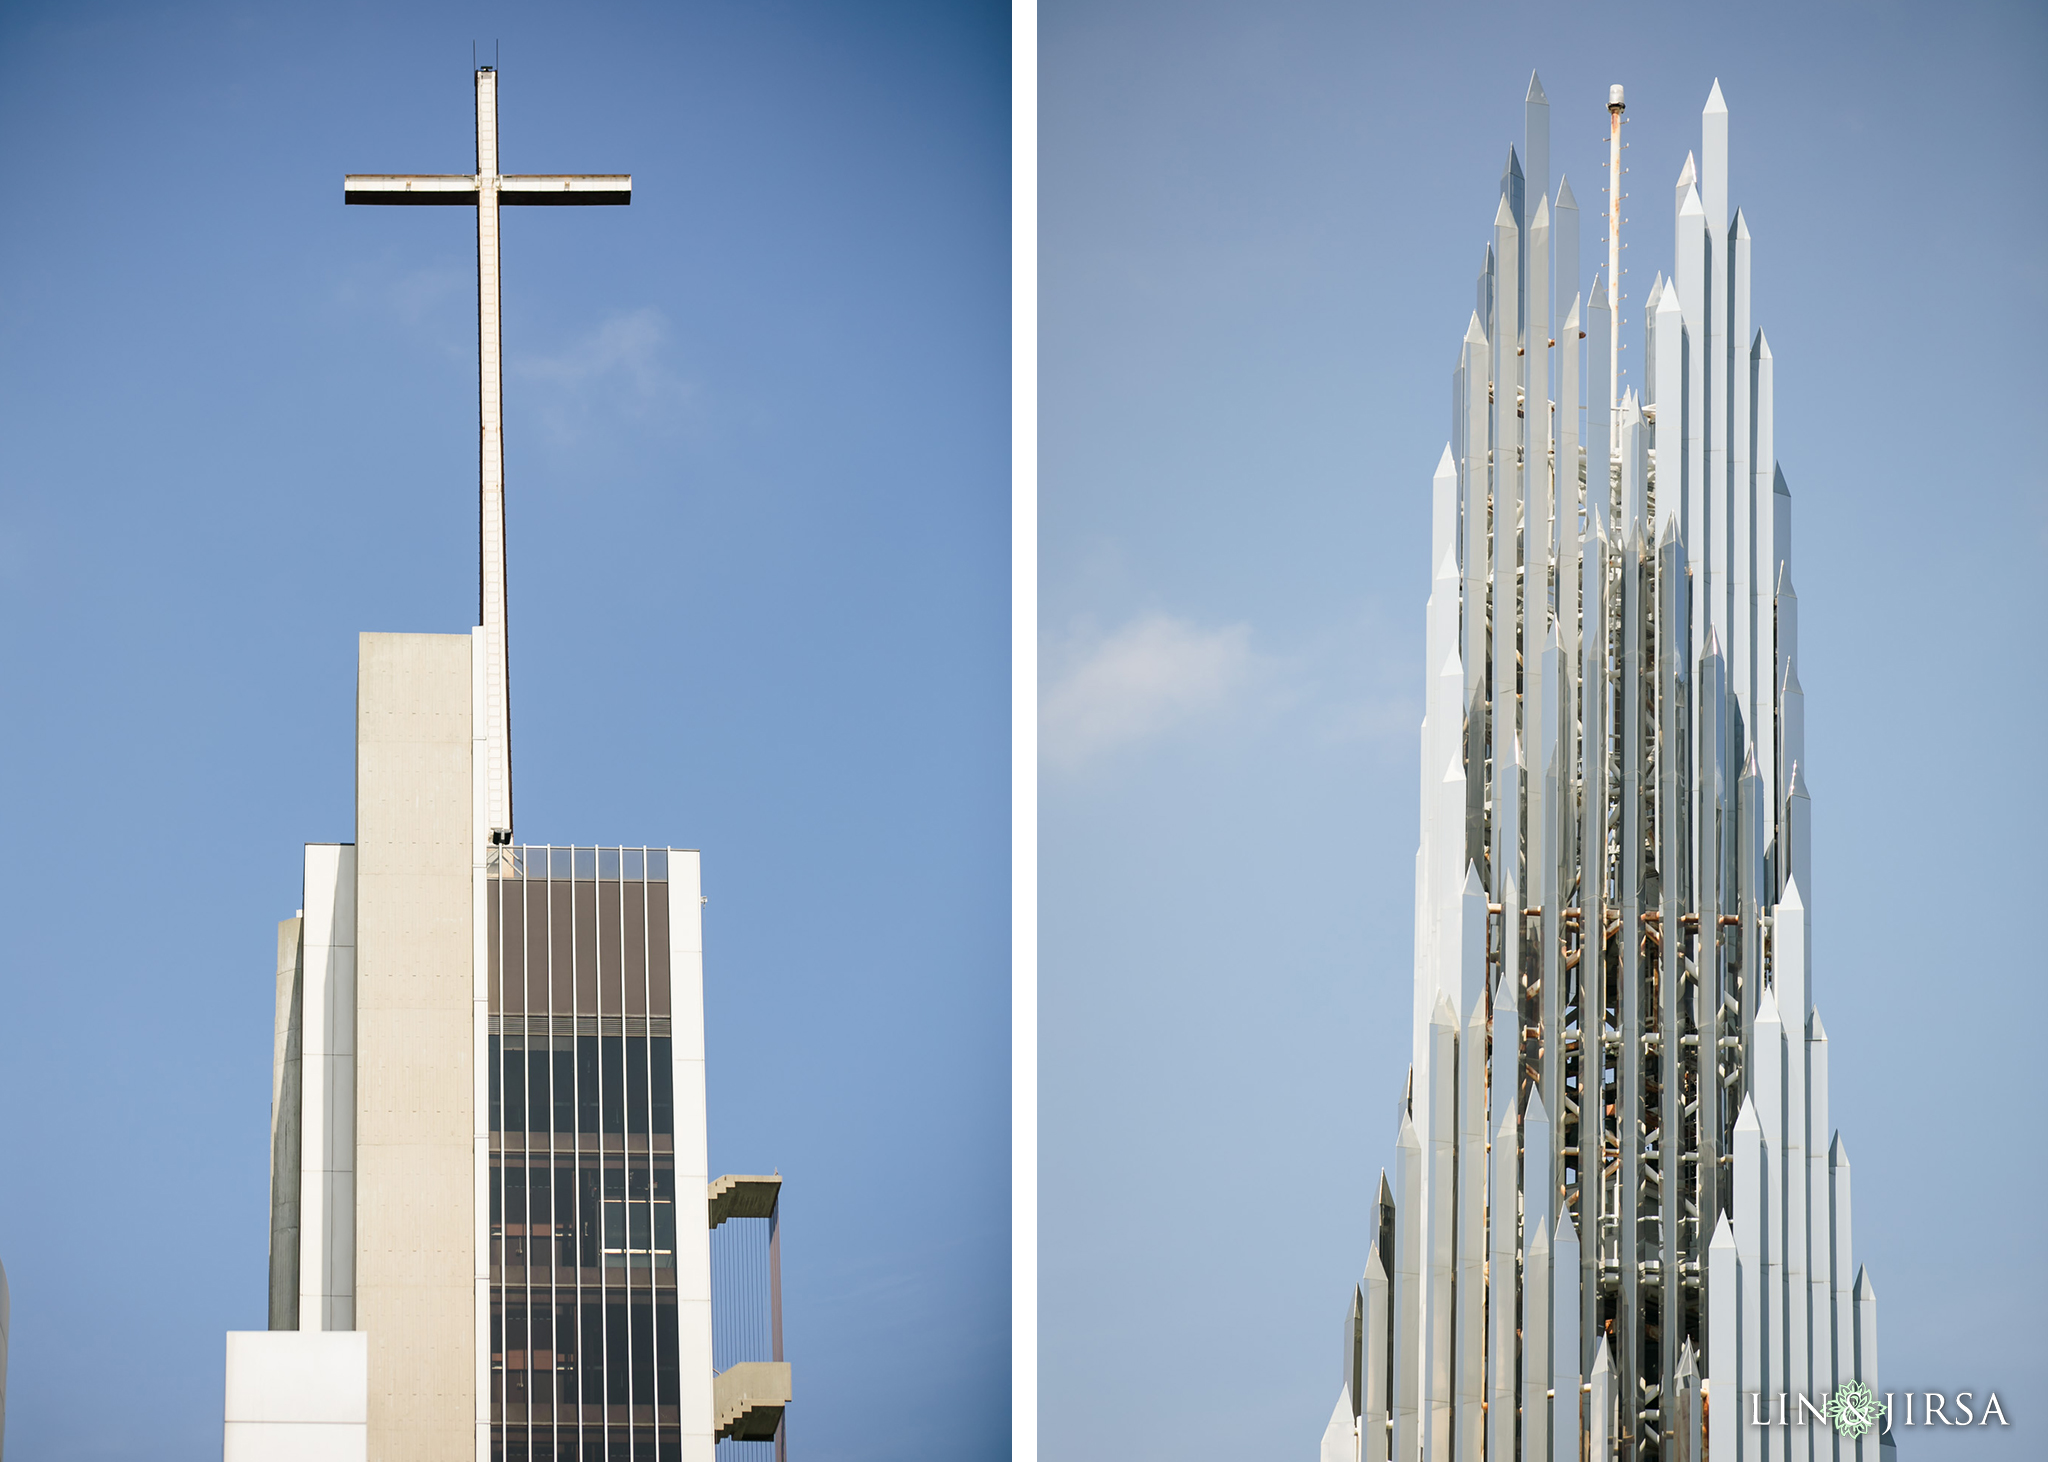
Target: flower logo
[1853, 1409]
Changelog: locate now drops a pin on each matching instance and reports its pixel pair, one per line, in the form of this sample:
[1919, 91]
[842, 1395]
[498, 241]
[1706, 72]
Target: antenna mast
[1616, 105]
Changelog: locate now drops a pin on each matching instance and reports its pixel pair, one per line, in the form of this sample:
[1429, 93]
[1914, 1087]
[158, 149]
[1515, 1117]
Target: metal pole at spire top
[1616, 105]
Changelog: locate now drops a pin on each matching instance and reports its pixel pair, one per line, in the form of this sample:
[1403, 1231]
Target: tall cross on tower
[487, 191]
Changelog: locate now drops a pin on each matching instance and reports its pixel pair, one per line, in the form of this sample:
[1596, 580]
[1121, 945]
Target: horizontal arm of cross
[585, 188]
[459, 189]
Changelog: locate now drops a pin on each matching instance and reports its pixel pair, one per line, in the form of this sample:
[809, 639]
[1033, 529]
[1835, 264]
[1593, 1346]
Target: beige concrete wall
[327, 1105]
[415, 1195]
[285, 1077]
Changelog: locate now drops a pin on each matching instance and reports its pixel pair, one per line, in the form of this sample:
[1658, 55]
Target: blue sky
[758, 478]
[1260, 228]
[758, 481]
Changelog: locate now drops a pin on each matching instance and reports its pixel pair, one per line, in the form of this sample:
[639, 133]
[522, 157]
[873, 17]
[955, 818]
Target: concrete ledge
[747, 1400]
[743, 1196]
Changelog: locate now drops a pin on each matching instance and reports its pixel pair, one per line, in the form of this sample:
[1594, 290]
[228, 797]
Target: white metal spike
[1600, 1400]
[1503, 1307]
[1567, 1412]
[1439, 1313]
[1376, 1291]
[1841, 1267]
[1752, 1228]
[1672, 406]
[1535, 1328]
[1468, 1365]
[1819, 1223]
[1411, 1263]
[1714, 159]
[1870, 1443]
[1723, 1341]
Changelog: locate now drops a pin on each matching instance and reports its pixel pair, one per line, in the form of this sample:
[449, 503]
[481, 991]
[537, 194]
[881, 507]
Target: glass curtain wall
[582, 1222]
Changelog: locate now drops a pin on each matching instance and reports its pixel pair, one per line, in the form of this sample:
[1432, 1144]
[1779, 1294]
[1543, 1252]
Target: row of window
[563, 1442]
[582, 948]
[554, 1214]
[582, 1084]
[538, 862]
[592, 1354]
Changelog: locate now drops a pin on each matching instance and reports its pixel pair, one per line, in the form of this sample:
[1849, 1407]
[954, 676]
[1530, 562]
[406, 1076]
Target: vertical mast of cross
[491, 464]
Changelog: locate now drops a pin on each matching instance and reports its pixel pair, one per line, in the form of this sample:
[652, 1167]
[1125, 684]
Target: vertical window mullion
[647, 1036]
[604, 1287]
[554, 1207]
[583, 1350]
[625, 1136]
[533, 1371]
[525, 1426]
[497, 1178]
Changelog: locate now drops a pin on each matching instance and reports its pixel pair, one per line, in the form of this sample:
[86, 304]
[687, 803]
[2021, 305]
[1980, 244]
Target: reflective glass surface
[582, 1117]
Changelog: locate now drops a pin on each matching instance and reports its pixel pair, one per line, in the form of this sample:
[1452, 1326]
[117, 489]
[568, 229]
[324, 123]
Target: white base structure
[297, 1396]
[1619, 1215]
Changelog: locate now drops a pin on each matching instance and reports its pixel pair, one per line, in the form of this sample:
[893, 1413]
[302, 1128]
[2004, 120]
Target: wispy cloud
[619, 372]
[620, 368]
[1158, 676]
[1154, 674]
[436, 304]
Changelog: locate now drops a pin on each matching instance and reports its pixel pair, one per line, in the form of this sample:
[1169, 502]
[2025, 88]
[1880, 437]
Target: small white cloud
[425, 295]
[620, 365]
[1139, 682]
[626, 345]
[434, 304]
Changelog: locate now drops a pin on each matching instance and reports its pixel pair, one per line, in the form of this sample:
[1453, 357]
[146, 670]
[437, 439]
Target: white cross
[487, 191]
